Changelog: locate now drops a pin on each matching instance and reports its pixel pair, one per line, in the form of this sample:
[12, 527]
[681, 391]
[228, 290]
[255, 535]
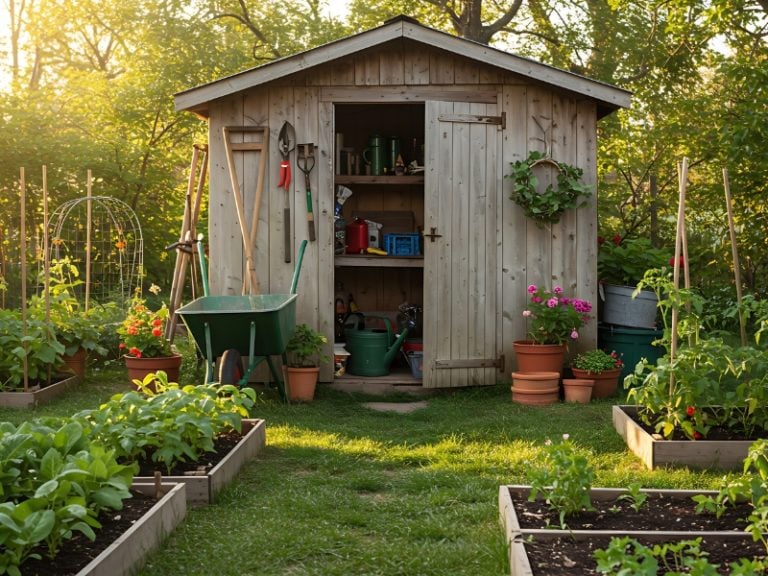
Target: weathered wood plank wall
[403, 72]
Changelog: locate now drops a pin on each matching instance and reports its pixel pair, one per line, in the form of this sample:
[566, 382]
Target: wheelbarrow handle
[297, 270]
[203, 267]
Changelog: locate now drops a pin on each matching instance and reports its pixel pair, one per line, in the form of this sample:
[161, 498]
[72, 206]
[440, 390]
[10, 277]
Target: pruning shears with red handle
[286, 142]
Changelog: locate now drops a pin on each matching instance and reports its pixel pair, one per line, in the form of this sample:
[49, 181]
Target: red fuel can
[357, 237]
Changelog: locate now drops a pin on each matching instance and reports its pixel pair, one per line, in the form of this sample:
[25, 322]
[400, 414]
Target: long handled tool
[251, 281]
[306, 161]
[286, 143]
[192, 203]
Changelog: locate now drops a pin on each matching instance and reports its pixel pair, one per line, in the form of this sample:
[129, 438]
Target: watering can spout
[395, 348]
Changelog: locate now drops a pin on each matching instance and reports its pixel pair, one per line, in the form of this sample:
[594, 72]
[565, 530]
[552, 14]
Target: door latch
[433, 234]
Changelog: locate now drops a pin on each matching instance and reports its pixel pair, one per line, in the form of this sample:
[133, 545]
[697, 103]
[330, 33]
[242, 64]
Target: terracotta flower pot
[301, 383]
[138, 368]
[578, 390]
[76, 362]
[533, 357]
[606, 382]
[535, 388]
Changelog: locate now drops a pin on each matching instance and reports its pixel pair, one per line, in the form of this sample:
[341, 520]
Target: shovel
[305, 160]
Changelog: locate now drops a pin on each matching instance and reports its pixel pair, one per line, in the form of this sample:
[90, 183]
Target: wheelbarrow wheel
[231, 367]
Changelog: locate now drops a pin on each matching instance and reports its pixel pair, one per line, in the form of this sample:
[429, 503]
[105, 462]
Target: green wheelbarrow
[230, 327]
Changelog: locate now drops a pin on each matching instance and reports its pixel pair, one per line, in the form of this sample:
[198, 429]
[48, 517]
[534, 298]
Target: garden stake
[735, 250]
[88, 248]
[23, 258]
[683, 179]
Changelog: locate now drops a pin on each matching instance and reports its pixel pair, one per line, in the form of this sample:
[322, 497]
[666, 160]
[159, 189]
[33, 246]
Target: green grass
[343, 490]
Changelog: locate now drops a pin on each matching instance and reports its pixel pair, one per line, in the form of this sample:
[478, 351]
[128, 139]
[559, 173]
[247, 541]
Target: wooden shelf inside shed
[402, 180]
[354, 260]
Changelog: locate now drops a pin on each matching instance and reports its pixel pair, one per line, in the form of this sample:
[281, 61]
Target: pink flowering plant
[142, 332]
[554, 318]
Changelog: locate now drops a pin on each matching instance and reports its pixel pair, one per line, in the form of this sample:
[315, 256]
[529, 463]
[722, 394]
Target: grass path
[344, 490]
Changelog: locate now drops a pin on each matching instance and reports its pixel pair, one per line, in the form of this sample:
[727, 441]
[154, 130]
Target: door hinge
[471, 363]
[433, 234]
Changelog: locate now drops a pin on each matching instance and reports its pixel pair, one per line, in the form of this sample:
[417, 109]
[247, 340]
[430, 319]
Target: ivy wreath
[549, 205]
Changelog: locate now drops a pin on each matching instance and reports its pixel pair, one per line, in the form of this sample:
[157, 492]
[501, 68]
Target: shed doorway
[449, 205]
[379, 176]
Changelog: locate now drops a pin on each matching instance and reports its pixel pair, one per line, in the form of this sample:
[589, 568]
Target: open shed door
[461, 244]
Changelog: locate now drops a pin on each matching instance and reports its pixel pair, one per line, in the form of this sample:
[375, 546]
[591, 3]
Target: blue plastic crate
[401, 244]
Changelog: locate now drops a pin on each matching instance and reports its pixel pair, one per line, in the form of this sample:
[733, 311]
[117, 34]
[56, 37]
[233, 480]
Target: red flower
[135, 352]
[681, 260]
[617, 239]
[156, 332]
[121, 345]
[157, 322]
[697, 436]
[133, 330]
[690, 411]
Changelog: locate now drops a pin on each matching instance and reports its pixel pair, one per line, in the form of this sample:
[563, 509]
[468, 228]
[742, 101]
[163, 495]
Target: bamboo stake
[683, 179]
[736, 262]
[46, 259]
[23, 253]
[88, 242]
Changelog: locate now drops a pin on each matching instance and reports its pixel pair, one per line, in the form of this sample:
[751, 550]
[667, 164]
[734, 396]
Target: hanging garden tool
[286, 143]
[306, 161]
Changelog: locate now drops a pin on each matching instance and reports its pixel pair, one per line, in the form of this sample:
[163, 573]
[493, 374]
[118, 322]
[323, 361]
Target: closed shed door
[461, 244]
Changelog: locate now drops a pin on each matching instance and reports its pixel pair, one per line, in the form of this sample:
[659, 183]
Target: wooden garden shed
[463, 111]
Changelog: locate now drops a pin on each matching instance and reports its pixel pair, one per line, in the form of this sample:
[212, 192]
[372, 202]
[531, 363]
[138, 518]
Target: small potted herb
[305, 353]
[602, 367]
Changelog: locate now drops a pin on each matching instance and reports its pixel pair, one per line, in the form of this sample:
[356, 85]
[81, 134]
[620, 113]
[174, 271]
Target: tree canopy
[88, 84]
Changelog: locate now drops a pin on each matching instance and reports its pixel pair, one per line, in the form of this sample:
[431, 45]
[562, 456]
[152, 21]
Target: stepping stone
[399, 407]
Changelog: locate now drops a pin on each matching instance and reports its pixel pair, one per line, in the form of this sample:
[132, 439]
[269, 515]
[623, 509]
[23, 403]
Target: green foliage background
[89, 84]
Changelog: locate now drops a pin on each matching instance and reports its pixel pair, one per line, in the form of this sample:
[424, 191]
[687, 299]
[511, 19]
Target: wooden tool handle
[287, 233]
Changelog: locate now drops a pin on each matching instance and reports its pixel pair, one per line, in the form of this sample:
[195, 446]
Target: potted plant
[143, 342]
[602, 367]
[621, 265]
[304, 350]
[546, 206]
[553, 321]
[75, 328]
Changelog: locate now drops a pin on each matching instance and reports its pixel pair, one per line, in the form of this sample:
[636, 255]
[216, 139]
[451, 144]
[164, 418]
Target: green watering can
[371, 350]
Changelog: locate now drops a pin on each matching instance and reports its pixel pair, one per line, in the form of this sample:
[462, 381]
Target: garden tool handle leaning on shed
[306, 161]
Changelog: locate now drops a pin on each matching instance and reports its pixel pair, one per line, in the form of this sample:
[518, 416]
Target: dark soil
[715, 433]
[79, 551]
[569, 557]
[223, 444]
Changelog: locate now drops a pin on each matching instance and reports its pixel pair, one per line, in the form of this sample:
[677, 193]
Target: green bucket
[631, 344]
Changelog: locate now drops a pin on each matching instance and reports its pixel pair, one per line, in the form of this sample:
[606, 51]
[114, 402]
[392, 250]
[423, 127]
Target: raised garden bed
[38, 395]
[655, 451]
[667, 516]
[203, 486]
[127, 554]
[125, 539]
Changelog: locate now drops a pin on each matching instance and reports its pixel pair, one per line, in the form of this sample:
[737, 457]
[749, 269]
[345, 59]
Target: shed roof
[608, 97]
